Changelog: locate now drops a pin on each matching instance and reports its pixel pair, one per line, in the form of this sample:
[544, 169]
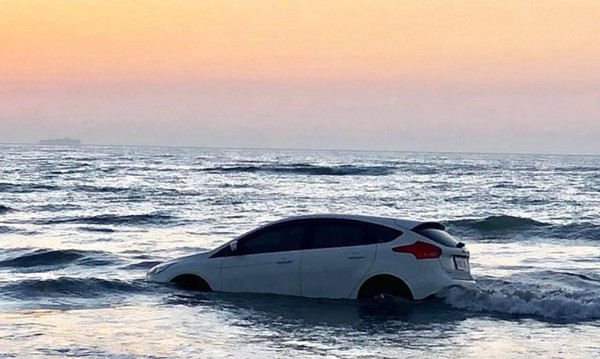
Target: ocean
[79, 228]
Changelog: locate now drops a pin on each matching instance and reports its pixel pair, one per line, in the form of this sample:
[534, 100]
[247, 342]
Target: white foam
[564, 306]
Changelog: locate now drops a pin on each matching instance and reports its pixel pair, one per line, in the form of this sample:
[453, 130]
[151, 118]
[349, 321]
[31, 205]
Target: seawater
[79, 228]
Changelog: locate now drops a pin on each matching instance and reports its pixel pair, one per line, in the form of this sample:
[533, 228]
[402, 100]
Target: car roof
[388, 221]
[405, 224]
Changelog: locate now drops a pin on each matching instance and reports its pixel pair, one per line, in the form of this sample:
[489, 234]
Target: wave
[55, 207]
[584, 230]
[80, 159]
[97, 229]
[102, 189]
[6, 229]
[111, 169]
[68, 171]
[497, 223]
[53, 258]
[518, 227]
[559, 305]
[26, 188]
[578, 169]
[113, 219]
[43, 257]
[305, 169]
[423, 170]
[71, 287]
[577, 276]
[5, 209]
[512, 185]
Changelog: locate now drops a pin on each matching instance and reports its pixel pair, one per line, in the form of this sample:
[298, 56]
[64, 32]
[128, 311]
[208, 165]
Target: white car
[329, 256]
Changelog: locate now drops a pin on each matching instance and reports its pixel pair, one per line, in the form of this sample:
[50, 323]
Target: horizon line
[310, 149]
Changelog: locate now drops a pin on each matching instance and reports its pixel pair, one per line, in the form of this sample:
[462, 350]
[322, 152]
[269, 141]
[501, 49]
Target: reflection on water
[196, 325]
[267, 309]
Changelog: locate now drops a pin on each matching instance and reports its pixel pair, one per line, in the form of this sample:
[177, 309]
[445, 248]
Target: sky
[420, 75]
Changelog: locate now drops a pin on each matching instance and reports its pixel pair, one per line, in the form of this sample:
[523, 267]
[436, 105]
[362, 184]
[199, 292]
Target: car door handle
[285, 261]
[356, 257]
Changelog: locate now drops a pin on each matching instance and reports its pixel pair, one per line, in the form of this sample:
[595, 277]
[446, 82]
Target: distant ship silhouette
[61, 142]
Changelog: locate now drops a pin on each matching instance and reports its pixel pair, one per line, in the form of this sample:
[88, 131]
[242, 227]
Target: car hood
[162, 267]
[185, 259]
[191, 257]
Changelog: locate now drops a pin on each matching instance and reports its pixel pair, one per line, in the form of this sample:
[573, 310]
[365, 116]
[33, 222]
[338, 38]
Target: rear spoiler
[429, 225]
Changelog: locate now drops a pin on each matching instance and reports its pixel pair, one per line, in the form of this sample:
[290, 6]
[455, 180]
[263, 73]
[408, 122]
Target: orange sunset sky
[499, 76]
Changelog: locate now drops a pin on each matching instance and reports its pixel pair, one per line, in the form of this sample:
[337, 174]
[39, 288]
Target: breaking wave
[306, 169]
[557, 305]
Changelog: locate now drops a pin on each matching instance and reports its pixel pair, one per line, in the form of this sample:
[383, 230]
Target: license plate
[461, 263]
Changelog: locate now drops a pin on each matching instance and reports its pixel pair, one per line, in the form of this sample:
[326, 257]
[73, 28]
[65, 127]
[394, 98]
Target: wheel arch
[191, 281]
[384, 282]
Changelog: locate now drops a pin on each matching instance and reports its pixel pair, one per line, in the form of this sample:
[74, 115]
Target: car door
[338, 257]
[266, 261]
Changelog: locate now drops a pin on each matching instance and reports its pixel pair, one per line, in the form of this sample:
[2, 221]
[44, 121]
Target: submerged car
[329, 256]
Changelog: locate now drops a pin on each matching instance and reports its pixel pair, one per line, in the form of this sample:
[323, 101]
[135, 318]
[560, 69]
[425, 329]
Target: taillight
[421, 250]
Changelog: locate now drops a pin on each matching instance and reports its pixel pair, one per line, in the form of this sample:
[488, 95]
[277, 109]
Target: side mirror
[233, 246]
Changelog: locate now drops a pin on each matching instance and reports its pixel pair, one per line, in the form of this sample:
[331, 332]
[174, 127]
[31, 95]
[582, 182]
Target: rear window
[438, 236]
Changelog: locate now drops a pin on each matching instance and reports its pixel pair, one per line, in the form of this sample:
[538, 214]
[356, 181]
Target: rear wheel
[384, 287]
[191, 282]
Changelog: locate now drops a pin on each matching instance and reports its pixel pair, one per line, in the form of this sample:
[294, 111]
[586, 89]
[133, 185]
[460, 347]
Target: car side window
[340, 233]
[384, 234]
[279, 239]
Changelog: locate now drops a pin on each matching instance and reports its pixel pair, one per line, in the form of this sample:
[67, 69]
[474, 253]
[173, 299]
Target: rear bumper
[425, 289]
[433, 278]
[464, 283]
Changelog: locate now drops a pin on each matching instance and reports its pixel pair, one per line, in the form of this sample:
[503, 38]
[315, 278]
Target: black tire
[191, 282]
[384, 287]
